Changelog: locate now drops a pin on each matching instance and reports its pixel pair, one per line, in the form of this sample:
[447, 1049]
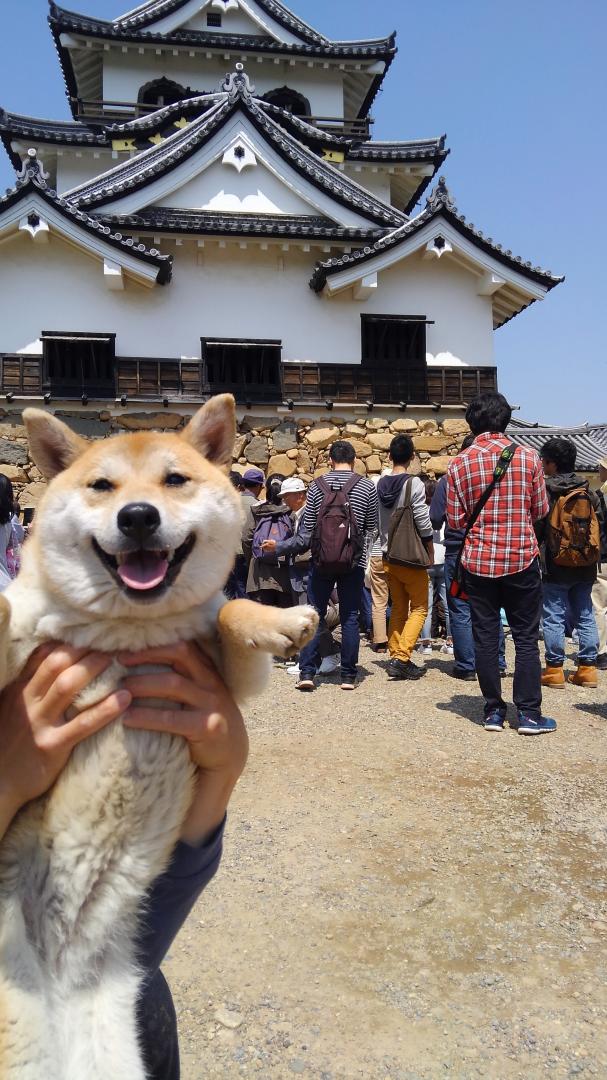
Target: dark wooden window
[161, 92]
[75, 364]
[214, 18]
[394, 356]
[288, 99]
[248, 369]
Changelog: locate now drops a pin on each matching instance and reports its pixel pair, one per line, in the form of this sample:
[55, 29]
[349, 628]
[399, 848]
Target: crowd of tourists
[508, 542]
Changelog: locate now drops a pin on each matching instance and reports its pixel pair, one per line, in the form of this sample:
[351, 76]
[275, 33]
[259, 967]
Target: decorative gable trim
[33, 207]
[440, 230]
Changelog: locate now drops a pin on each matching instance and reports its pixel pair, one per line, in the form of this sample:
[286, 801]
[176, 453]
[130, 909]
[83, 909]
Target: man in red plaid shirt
[501, 560]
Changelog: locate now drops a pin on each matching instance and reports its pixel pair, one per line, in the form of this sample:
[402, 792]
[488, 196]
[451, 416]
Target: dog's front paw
[290, 630]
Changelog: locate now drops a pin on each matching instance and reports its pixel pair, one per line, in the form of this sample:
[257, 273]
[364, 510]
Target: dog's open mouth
[145, 572]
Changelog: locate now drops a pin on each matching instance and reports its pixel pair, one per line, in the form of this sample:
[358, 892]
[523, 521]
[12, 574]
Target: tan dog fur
[76, 863]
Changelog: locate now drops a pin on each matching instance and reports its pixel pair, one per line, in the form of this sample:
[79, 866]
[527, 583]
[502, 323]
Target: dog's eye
[102, 485]
[175, 479]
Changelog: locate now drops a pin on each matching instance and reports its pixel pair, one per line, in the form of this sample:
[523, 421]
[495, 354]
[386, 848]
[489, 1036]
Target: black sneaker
[465, 676]
[601, 661]
[404, 669]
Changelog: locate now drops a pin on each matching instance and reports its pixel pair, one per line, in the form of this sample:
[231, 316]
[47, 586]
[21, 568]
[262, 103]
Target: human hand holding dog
[36, 740]
[205, 715]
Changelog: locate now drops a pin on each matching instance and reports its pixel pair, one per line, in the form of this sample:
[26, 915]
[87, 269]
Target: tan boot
[585, 676]
[553, 677]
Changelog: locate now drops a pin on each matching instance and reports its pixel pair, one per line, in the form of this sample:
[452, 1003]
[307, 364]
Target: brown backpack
[337, 541]
[573, 536]
[405, 545]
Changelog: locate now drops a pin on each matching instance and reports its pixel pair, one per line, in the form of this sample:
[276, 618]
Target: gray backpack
[405, 546]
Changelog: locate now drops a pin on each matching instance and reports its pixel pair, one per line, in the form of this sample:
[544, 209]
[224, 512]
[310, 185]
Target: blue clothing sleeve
[296, 544]
[173, 896]
[438, 506]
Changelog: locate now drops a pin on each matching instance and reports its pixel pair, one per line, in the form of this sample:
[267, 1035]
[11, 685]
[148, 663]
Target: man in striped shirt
[501, 560]
[363, 499]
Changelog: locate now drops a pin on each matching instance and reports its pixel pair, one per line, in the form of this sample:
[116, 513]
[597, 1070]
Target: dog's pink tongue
[143, 569]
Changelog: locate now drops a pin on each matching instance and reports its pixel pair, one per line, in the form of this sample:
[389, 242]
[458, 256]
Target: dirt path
[404, 895]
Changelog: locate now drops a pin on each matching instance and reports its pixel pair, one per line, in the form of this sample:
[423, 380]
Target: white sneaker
[330, 665]
[447, 649]
[292, 669]
[424, 650]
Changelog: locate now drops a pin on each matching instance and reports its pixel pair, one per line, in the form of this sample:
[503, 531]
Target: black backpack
[337, 541]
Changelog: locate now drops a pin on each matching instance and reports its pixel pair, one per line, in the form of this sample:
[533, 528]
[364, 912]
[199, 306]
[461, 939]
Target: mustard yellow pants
[409, 593]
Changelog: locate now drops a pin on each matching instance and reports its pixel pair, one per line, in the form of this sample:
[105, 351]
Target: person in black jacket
[566, 587]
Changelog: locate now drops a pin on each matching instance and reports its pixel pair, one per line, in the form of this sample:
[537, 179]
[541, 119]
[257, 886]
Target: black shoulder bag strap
[503, 464]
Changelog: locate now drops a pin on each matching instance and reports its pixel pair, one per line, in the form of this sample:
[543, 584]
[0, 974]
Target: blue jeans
[366, 611]
[460, 624]
[578, 597]
[349, 591]
[436, 584]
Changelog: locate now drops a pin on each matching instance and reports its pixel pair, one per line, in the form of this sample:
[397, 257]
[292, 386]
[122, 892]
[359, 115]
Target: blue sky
[521, 91]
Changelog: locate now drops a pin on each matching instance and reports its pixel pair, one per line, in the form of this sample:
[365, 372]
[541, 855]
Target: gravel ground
[404, 895]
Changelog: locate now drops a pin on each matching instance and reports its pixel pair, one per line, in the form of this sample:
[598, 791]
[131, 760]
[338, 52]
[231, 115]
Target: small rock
[228, 1018]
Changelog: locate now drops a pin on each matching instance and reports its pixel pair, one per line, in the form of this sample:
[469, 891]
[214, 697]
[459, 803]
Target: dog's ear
[53, 446]
[212, 430]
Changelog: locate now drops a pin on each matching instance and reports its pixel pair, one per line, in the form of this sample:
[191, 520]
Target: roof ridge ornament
[237, 84]
[440, 197]
[32, 169]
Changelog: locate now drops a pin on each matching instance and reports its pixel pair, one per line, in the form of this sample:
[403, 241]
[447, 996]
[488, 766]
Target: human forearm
[211, 797]
[295, 545]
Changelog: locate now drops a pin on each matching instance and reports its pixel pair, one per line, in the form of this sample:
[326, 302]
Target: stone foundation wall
[291, 445]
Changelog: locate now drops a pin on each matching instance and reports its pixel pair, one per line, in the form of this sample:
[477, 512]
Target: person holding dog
[37, 741]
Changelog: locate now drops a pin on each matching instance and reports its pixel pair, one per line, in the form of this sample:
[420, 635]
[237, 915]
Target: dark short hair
[561, 452]
[235, 479]
[430, 486]
[342, 453]
[401, 449]
[488, 412]
[273, 486]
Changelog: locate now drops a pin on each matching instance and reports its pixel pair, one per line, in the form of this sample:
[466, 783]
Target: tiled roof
[138, 172]
[62, 21]
[208, 222]
[590, 441]
[98, 133]
[415, 150]
[441, 203]
[159, 9]
[32, 178]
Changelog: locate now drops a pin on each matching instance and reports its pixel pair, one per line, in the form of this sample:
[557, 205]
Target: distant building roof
[590, 440]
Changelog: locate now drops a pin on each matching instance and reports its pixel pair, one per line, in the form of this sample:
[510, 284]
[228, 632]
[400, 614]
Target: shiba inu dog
[133, 543]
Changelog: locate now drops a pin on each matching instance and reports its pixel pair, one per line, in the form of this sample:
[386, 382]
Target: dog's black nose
[138, 521]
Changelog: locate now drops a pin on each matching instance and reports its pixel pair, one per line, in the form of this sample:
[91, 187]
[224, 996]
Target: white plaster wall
[378, 183]
[75, 168]
[254, 190]
[232, 22]
[125, 74]
[232, 293]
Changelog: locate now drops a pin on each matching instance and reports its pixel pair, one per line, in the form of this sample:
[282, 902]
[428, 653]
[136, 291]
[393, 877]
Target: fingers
[185, 657]
[70, 681]
[174, 722]
[35, 661]
[94, 719]
[168, 685]
[55, 660]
